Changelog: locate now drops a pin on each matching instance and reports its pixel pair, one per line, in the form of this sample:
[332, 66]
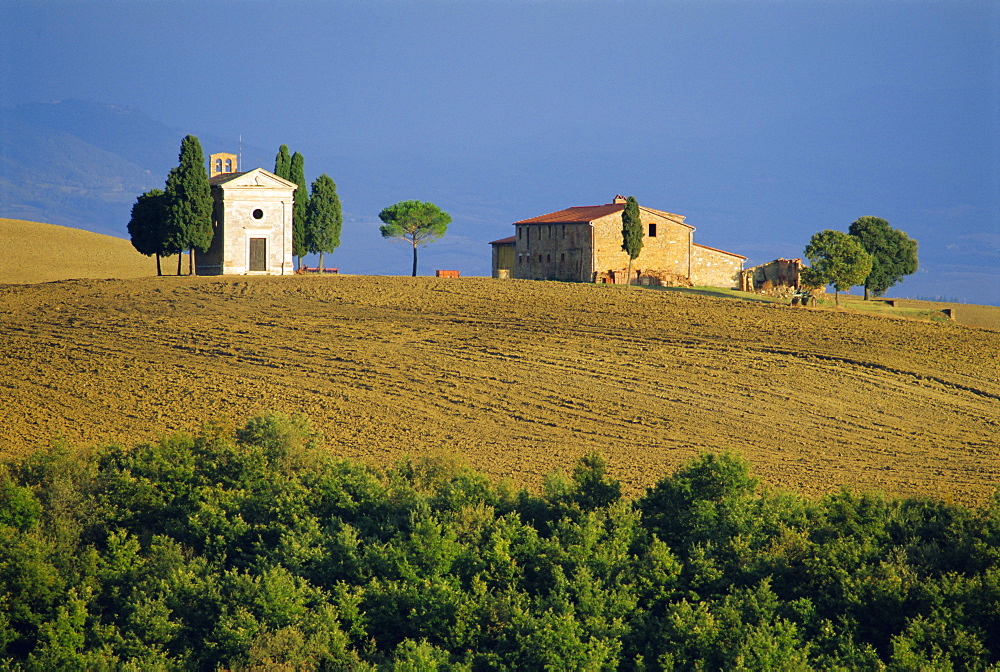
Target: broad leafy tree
[147, 227]
[323, 218]
[416, 222]
[283, 163]
[297, 174]
[837, 259]
[894, 254]
[631, 232]
[189, 203]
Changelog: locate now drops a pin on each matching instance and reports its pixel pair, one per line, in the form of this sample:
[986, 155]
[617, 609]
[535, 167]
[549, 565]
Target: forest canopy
[252, 547]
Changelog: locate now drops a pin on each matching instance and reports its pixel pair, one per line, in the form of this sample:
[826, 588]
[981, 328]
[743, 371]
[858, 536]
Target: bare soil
[518, 377]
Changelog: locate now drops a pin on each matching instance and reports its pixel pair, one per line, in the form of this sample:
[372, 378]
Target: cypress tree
[147, 226]
[189, 203]
[323, 218]
[297, 174]
[631, 233]
[283, 163]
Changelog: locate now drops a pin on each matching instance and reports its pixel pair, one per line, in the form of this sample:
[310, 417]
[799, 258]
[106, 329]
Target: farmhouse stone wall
[666, 252]
[715, 268]
[553, 252]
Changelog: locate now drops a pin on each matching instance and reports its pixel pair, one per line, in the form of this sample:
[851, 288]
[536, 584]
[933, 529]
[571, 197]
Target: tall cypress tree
[189, 203]
[323, 218]
[631, 233]
[283, 163]
[297, 174]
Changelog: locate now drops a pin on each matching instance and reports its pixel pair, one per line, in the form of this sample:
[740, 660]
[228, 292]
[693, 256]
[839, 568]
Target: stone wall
[666, 252]
[553, 252]
[779, 277]
[715, 268]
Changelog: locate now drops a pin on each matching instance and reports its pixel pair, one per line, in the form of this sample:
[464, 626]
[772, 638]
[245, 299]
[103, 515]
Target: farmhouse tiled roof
[509, 240]
[584, 214]
[581, 214]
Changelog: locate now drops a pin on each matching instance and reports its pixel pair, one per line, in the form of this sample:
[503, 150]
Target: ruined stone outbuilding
[780, 277]
[252, 219]
[584, 244]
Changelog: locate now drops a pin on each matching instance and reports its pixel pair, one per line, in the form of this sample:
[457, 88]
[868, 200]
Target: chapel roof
[222, 178]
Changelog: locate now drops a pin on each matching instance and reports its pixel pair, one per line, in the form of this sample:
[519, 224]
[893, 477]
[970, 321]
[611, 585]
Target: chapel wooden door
[258, 254]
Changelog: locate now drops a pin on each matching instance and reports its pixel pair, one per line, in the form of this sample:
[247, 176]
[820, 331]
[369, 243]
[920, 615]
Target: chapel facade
[252, 219]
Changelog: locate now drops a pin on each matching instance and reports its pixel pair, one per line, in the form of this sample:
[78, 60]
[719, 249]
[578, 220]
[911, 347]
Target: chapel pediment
[256, 178]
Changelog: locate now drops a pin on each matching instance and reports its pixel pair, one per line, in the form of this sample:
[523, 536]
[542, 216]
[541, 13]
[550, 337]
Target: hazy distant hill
[35, 252]
[80, 164]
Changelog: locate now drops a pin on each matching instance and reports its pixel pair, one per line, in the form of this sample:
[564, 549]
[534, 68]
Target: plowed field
[520, 378]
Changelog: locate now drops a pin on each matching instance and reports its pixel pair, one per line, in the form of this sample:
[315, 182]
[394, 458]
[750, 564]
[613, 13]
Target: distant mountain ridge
[81, 164]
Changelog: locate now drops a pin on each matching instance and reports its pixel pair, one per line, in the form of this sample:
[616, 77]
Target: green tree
[894, 254]
[283, 163]
[631, 233]
[189, 203]
[323, 218]
[416, 222]
[297, 174]
[147, 227]
[837, 259]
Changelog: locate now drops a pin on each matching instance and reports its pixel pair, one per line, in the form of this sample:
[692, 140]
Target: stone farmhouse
[584, 244]
[252, 216]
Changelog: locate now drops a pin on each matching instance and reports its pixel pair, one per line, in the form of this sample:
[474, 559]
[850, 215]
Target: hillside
[517, 377]
[35, 252]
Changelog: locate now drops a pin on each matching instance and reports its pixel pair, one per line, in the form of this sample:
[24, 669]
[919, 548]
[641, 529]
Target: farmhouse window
[652, 230]
[258, 214]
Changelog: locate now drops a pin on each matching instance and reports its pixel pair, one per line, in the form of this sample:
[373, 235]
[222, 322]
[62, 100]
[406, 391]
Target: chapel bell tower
[222, 163]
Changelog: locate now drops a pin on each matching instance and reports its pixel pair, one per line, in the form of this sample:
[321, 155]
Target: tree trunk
[180, 258]
[159, 271]
[321, 263]
[414, 260]
[190, 261]
[866, 292]
[836, 297]
[628, 277]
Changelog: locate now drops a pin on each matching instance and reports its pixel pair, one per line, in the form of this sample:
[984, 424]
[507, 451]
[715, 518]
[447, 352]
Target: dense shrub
[252, 548]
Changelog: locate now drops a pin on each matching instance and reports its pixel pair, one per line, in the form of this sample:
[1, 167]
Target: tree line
[253, 548]
[178, 218]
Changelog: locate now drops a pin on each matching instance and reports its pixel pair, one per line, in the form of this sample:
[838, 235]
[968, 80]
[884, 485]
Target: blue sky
[761, 122]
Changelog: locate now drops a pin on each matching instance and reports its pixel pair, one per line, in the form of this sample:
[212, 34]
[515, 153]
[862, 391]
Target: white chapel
[252, 217]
